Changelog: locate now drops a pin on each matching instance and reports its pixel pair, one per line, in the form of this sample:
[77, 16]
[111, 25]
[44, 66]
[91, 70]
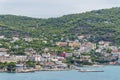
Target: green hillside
[99, 24]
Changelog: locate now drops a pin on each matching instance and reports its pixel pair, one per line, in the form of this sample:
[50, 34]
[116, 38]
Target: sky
[53, 8]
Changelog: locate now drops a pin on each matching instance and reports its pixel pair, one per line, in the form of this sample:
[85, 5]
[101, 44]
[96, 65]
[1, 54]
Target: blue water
[111, 73]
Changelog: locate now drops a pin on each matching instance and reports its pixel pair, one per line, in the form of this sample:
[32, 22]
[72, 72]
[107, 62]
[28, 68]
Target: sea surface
[110, 73]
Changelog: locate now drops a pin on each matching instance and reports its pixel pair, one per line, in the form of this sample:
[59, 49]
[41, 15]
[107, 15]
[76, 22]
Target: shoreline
[37, 70]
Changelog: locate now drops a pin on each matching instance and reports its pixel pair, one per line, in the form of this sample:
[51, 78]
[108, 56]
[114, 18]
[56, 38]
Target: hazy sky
[53, 8]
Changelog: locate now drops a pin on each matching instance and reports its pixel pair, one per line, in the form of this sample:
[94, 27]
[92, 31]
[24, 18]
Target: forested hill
[100, 24]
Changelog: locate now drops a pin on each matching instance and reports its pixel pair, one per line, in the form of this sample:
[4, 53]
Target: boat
[97, 65]
[81, 70]
[25, 71]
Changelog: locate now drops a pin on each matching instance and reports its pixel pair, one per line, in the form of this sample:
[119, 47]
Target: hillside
[99, 24]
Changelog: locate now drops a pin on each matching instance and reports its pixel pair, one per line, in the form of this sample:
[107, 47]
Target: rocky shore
[34, 70]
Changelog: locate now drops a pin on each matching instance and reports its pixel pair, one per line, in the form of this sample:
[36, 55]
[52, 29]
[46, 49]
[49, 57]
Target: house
[54, 60]
[42, 60]
[28, 39]
[46, 55]
[101, 42]
[60, 58]
[87, 47]
[74, 44]
[68, 54]
[3, 49]
[4, 54]
[20, 58]
[30, 51]
[62, 54]
[76, 53]
[112, 63]
[85, 58]
[13, 58]
[19, 67]
[7, 59]
[15, 39]
[104, 44]
[80, 37]
[59, 64]
[44, 41]
[61, 44]
[38, 67]
[2, 37]
[36, 58]
[107, 54]
[46, 50]
[90, 45]
[98, 50]
[49, 65]
[118, 61]
[53, 55]
[63, 66]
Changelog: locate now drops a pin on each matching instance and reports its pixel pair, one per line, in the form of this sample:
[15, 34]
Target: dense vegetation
[100, 25]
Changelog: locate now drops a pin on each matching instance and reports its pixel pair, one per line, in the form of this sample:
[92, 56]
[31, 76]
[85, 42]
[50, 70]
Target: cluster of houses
[110, 53]
[104, 51]
[48, 60]
[68, 43]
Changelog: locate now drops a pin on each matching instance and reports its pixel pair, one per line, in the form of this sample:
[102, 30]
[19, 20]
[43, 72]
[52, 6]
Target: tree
[3, 65]
[109, 50]
[30, 64]
[11, 67]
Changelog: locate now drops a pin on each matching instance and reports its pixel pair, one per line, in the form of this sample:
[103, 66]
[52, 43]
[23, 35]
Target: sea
[110, 73]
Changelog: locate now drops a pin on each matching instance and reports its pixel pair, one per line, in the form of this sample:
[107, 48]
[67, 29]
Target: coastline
[34, 70]
[56, 69]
